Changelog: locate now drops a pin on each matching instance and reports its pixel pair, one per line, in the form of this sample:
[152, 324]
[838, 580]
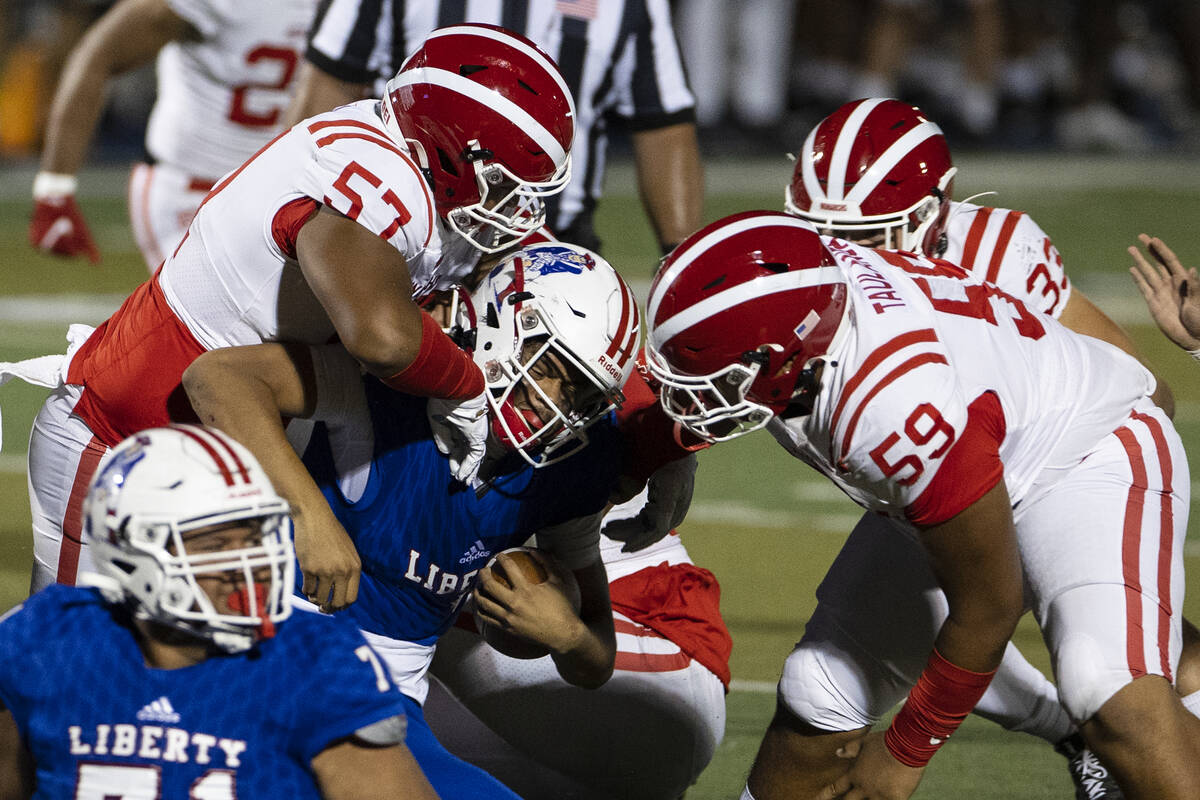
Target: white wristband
[52, 185]
[1194, 354]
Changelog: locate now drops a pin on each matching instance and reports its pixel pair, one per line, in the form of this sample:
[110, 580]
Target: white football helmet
[154, 489]
[557, 299]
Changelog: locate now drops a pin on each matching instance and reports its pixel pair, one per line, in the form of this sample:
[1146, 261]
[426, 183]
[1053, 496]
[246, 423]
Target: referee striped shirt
[619, 57]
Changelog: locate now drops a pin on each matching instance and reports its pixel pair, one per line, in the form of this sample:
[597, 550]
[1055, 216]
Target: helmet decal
[562, 303]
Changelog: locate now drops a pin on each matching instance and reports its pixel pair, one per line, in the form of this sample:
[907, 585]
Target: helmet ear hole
[447, 163]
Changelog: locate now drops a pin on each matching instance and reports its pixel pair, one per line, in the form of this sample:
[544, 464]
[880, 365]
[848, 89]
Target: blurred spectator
[1114, 75]
[738, 63]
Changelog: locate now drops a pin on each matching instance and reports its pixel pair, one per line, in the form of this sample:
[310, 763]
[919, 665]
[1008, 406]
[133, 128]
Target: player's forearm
[670, 180]
[586, 660]
[249, 405]
[975, 559]
[126, 37]
[74, 112]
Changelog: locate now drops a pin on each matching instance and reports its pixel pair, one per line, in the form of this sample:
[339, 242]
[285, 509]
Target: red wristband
[440, 369]
[936, 706]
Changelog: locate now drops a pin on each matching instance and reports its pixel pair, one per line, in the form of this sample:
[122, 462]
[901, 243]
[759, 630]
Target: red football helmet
[877, 172]
[491, 120]
[735, 316]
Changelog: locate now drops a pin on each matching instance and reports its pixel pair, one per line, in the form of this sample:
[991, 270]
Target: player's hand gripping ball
[507, 642]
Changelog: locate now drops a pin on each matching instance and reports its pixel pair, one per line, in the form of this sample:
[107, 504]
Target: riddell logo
[832, 206]
[610, 368]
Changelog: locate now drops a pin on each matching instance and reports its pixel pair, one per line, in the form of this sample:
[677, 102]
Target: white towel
[49, 371]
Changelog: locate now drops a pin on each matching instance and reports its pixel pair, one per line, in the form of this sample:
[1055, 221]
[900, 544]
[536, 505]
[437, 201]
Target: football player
[878, 172]
[329, 231]
[225, 76]
[181, 671]
[1018, 453]
[555, 331]
[661, 716]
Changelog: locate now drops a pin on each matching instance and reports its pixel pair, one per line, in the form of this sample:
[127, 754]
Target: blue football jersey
[422, 536]
[101, 724]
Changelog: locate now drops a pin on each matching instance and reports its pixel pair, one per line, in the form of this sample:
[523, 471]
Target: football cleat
[1092, 779]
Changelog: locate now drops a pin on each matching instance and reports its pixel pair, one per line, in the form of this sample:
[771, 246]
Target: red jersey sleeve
[969, 470]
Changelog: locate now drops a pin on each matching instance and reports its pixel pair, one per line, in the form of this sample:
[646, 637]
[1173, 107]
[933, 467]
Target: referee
[620, 60]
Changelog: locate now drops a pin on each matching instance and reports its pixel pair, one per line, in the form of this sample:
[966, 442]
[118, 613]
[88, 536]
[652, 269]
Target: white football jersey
[921, 343]
[235, 279]
[222, 98]
[1009, 249]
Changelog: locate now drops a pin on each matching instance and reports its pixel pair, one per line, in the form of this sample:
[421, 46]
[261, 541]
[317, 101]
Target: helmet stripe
[223, 441]
[890, 158]
[619, 335]
[625, 340]
[191, 433]
[809, 170]
[506, 108]
[701, 246]
[514, 42]
[742, 293]
[840, 160]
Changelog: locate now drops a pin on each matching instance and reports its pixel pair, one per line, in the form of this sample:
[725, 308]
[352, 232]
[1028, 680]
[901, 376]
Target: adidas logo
[476, 552]
[158, 711]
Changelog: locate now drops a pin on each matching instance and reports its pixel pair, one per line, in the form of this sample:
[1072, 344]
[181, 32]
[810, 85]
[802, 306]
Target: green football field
[761, 521]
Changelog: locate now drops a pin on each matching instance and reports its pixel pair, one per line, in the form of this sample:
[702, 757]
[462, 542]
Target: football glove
[460, 431]
[57, 225]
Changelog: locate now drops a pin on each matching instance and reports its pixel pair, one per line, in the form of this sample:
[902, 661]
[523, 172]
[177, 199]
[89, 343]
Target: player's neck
[161, 649]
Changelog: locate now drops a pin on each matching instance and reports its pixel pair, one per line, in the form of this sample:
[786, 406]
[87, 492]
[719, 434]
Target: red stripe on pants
[1130, 556]
[72, 524]
[1166, 536]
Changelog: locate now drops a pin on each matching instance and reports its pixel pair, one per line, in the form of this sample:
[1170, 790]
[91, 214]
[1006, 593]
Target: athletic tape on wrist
[938, 703]
[1194, 354]
[53, 184]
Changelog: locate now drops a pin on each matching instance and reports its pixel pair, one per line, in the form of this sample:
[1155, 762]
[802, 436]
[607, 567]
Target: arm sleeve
[649, 438]
[976, 453]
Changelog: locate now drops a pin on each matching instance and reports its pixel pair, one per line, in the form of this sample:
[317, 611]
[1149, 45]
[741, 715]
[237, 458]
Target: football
[510, 644]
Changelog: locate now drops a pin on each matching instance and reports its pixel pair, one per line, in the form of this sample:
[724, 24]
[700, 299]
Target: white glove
[460, 430]
[668, 497]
